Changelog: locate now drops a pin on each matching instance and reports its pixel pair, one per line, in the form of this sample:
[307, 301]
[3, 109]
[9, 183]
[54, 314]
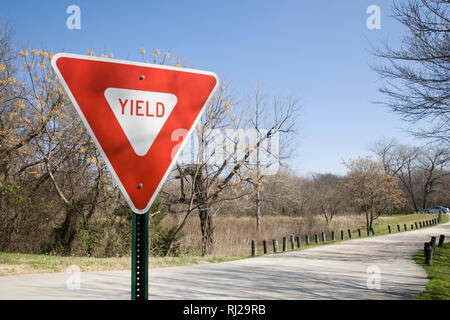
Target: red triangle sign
[131, 111]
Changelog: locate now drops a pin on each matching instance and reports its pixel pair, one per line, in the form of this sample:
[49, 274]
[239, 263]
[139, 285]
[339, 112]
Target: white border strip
[91, 133]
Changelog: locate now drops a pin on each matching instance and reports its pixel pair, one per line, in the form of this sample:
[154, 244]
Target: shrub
[160, 236]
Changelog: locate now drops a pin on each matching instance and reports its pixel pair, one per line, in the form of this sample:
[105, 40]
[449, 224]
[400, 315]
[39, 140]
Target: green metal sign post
[139, 257]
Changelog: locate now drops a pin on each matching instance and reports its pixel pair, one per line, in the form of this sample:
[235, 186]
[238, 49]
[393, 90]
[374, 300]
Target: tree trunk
[258, 195]
[416, 209]
[64, 235]
[368, 226]
[370, 229]
[325, 213]
[207, 228]
[258, 210]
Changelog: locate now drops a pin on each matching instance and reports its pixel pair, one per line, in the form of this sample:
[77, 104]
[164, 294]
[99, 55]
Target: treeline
[421, 173]
[56, 195]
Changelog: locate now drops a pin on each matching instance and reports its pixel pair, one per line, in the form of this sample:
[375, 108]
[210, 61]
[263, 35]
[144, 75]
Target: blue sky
[317, 50]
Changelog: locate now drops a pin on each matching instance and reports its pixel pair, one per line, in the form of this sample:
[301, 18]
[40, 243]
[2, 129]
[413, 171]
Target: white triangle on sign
[141, 114]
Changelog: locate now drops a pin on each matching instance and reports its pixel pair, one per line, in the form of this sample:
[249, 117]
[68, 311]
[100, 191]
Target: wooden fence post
[428, 253]
[292, 242]
[398, 228]
[306, 239]
[441, 240]
[275, 246]
[284, 244]
[389, 228]
[299, 243]
[359, 232]
[349, 233]
[332, 236]
[406, 229]
[416, 224]
[323, 237]
[316, 238]
[433, 242]
[412, 226]
[253, 247]
[265, 246]
[342, 234]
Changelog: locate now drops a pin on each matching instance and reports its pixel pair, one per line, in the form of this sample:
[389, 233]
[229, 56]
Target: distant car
[436, 210]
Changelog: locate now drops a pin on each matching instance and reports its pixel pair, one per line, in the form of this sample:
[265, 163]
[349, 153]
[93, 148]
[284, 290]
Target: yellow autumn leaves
[91, 52]
[34, 52]
[228, 108]
[20, 105]
[155, 54]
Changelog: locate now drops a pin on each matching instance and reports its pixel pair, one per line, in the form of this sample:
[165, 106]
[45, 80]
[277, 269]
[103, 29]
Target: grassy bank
[19, 263]
[381, 224]
[380, 227]
[438, 287]
[232, 241]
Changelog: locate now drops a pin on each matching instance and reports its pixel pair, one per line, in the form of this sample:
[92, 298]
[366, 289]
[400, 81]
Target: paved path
[337, 271]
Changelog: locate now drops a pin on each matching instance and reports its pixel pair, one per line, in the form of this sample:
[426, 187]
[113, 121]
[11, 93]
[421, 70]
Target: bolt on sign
[131, 109]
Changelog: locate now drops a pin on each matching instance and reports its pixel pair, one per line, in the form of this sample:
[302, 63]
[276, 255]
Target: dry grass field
[233, 235]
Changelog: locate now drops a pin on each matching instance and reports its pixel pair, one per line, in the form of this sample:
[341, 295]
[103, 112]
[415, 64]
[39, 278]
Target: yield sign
[131, 111]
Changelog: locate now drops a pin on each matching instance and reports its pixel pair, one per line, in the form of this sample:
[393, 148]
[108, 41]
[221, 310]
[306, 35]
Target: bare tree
[285, 192]
[400, 161]
[372, 190]
[279, 119]
[221, 172]
[433, 168]
[420, 170]
[327, 195]
[417, 74]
